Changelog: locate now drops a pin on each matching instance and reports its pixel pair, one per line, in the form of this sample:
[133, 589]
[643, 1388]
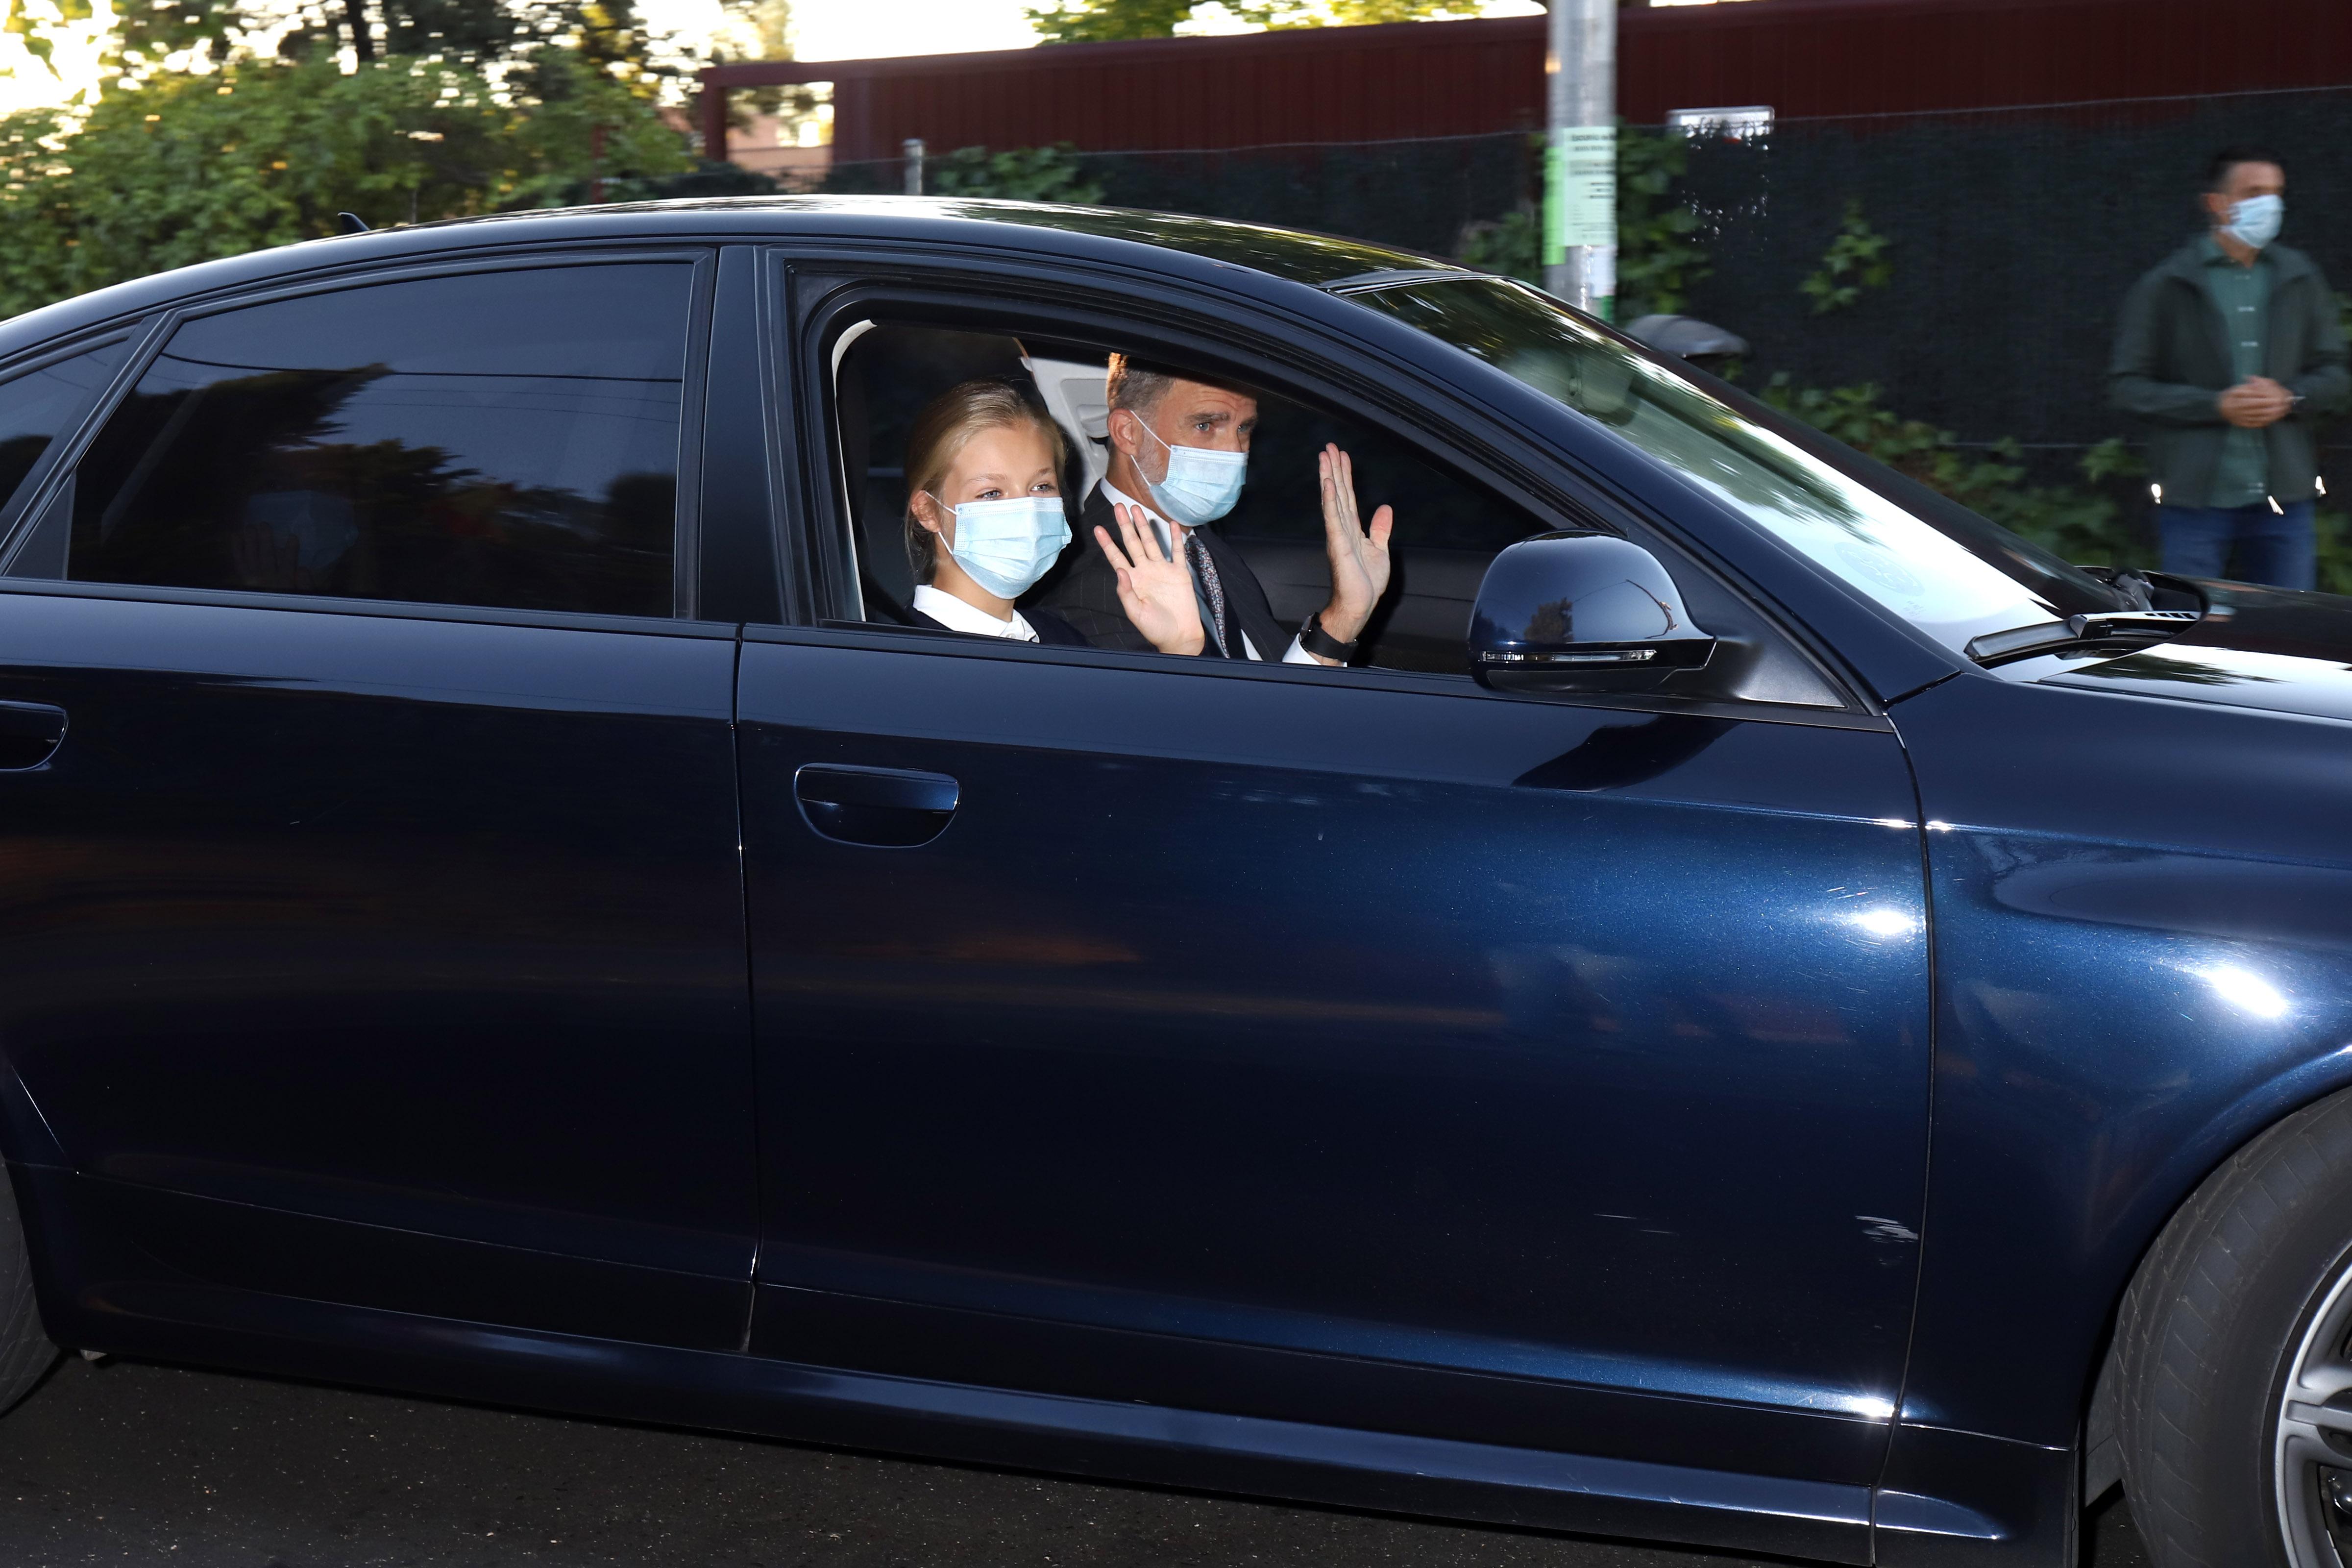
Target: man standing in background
[2225, 352]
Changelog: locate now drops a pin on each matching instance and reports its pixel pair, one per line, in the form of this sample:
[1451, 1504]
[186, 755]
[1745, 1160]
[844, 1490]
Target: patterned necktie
[1204, 571]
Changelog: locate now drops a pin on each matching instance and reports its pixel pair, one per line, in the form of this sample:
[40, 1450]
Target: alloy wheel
[2311, 1458]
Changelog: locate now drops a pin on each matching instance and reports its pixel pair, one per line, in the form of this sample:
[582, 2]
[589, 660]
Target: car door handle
[29, 734]
[887, 809]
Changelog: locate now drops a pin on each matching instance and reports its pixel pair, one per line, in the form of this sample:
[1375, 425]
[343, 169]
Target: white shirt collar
[958, 616]
[1118, 496]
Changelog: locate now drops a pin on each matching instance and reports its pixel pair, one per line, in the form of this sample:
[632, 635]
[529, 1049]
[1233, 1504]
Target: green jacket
[2172, 360]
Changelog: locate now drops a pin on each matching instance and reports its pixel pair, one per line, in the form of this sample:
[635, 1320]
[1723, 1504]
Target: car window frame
[16, 528]
[818, 296]
[65, 451]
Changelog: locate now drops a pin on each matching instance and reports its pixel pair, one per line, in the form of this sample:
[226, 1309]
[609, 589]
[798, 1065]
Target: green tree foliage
[1020, 175]
[1100, 21]
[184, 168]
[1095, 21]
[1284, 14]
[147, 34]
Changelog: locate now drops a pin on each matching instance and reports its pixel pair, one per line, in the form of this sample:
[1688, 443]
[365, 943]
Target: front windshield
[1949, 571]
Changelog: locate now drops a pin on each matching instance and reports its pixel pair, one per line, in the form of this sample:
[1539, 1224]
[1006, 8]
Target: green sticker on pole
[1579, 190]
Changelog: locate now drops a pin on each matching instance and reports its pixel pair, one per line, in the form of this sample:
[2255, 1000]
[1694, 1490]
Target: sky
[823, 31]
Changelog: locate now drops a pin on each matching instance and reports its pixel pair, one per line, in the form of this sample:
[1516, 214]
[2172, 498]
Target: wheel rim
[2311, 1458]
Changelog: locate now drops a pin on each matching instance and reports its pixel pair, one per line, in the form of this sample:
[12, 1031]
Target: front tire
[26, 1352]
[2235, 1344]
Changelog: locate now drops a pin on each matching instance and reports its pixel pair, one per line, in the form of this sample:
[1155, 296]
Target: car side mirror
[1580, 612]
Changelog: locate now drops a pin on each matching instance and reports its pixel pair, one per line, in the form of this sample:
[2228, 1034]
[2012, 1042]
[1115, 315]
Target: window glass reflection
[1954, 588]
[38, 406]
[505, 438]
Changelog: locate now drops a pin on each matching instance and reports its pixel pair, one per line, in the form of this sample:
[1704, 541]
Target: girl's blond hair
[941, 430]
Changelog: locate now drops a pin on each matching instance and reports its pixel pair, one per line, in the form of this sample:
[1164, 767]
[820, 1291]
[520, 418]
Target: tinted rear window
[501, 438]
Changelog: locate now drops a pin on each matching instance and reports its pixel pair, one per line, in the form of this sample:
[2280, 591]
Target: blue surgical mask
[1006, 545]
[2255, 221]
[1201, 485]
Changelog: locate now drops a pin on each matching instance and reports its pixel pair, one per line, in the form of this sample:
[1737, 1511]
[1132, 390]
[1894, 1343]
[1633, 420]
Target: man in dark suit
[1154, 576]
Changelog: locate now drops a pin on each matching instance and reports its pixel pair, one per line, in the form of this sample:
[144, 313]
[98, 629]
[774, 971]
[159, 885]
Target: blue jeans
[2280, 549]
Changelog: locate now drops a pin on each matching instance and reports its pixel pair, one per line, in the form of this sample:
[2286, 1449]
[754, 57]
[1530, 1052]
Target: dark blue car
[1755, 1008]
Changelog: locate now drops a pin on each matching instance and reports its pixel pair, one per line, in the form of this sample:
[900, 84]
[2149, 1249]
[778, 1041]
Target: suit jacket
[1051, 629]
[1087, 595]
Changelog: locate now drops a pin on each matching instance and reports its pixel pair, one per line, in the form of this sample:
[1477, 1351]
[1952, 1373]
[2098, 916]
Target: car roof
[1202, 247]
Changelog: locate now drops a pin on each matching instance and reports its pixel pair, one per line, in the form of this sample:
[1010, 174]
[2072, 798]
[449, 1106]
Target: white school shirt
[1295, 653]
[958, 616]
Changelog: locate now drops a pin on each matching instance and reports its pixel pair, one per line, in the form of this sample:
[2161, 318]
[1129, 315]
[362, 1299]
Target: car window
[40, 405]
[501, 438]
[1446, 529]
[1949, 571]
[892, 379]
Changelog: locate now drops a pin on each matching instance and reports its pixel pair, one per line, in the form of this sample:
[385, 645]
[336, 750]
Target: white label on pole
[1601, 272]
[1588, 184]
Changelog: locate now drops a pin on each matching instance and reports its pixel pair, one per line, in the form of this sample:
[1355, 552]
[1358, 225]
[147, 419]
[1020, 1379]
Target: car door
[1358, 1047]
[373, 933]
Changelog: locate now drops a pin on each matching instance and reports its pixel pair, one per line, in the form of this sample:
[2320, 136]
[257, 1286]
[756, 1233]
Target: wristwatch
[1320, 642]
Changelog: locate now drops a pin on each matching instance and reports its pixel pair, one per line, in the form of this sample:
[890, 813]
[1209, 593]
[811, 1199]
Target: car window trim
[741, 551]
[871, 637]
[827, 289]
[686, 506]
[58, 463]
[686, 515]
[380, 609]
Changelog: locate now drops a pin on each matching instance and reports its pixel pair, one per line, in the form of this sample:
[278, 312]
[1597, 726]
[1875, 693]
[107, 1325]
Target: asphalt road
[131, 1463]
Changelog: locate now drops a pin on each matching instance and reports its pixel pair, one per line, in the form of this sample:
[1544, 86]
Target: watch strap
[1320, 642]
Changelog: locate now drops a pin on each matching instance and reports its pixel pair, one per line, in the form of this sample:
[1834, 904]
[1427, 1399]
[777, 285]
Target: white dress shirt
[958, 616]
[1293, 654]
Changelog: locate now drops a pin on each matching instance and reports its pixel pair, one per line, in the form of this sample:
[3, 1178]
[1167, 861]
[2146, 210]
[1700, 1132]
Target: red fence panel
[1804, 57]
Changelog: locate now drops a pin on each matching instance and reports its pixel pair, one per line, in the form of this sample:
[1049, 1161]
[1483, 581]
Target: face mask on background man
[1006, 545]
[1201, 485]
[2255, 221]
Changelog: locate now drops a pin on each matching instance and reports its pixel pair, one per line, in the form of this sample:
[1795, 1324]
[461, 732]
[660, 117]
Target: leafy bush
[1020, 175]
[1856, 259]
[2080, 524]
[1511, 245]
[1657, 258]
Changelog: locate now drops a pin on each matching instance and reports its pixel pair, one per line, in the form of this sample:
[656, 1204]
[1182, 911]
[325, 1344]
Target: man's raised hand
[1360, 557]
[1154, 589]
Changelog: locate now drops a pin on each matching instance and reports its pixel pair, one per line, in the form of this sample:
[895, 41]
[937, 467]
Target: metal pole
[714, 120]
[912, 148]
[1579, 251]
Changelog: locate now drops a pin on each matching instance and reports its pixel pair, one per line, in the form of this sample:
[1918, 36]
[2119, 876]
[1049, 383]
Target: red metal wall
[1427, 79]
[1804, 57]
[1808, 57]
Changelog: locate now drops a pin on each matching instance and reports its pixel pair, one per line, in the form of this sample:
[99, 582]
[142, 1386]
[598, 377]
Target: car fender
[2143, 934]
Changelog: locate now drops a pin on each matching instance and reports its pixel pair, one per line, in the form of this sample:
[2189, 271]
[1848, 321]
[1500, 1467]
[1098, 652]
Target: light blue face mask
[2255, 221]
[1006, 545]
[1201, 485]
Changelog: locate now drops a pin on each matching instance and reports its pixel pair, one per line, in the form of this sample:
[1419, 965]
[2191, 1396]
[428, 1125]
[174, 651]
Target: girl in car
[985, 515]
[986, 522]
